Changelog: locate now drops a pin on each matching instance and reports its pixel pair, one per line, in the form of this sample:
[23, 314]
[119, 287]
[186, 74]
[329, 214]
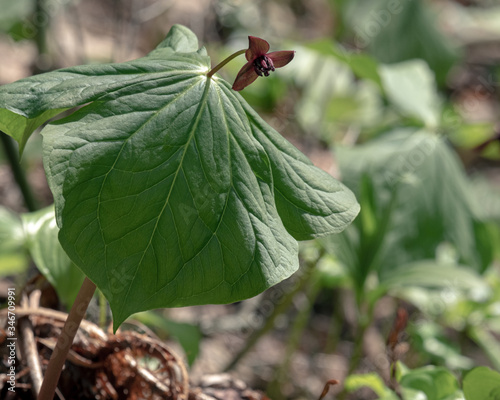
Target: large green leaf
[28, 103]
[41, 240]
[169, 189]
[482, 383]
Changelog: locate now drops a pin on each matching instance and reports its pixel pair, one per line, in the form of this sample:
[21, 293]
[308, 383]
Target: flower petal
[281, 58]
[257, 47]
[245, 77]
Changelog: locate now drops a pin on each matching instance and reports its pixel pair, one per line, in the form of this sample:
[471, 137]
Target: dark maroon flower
[260, 62]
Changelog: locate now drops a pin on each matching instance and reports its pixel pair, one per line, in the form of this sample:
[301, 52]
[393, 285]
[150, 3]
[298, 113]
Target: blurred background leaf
[434, 382]
[481, 383]
[41, 233]
[395, 31]
[13, 258]
[411, 87]
[416, 198]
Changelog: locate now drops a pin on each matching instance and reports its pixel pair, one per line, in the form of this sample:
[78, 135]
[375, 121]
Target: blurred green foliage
[431, 383]
[398, 30]
[34, 235]
[381, 92]
[13, 15]
[416, 205]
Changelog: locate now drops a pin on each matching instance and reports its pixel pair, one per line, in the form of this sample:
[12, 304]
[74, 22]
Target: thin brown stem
[222, 63]
[12, 155]
[28, 343]
[65, 340]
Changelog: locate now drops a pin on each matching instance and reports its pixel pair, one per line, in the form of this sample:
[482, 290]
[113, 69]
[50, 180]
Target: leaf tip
[180, 39]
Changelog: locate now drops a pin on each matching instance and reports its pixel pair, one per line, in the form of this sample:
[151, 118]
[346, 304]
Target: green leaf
[13, 259]
[435, 275]
[482, 383]
[429, 338]
[411, 87]
[11, 232]
[169, 189]
[41, 235]
[409, 176]
[487, 340]
[372, 381]
[180, 39]
[395, 31]
[19, 126]
[30, 102]
[424, 181]
[488, 195]
[436, 382]
[333, 98]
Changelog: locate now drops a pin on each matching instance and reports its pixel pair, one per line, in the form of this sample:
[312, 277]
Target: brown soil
[101, 365]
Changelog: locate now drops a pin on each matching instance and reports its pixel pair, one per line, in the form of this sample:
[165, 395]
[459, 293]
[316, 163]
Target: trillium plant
[169, 189]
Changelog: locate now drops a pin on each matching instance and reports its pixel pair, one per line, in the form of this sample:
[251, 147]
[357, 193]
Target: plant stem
[221, 64]
[41, 22]
[12, 155]
[65, 340]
